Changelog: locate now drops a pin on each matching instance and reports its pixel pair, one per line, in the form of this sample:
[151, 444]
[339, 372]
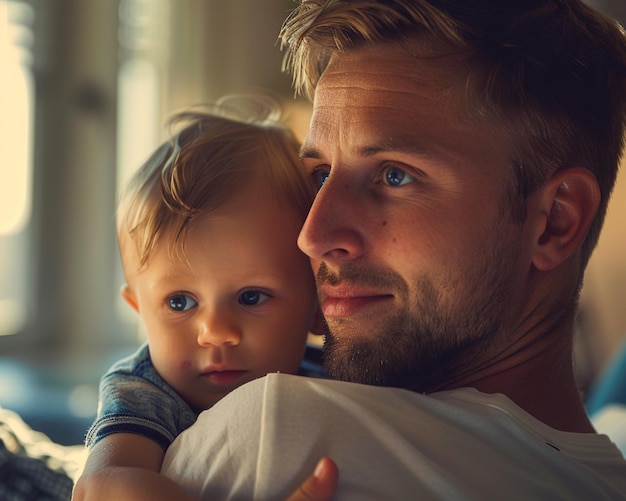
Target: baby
[207, 232]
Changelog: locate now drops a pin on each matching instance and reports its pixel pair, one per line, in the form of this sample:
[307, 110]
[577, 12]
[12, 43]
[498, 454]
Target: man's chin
[354, 362]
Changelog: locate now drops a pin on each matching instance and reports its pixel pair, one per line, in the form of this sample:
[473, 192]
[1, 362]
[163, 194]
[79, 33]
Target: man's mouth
[341, 302]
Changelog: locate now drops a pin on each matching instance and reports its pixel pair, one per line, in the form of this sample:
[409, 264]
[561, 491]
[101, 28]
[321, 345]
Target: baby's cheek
[185, 365]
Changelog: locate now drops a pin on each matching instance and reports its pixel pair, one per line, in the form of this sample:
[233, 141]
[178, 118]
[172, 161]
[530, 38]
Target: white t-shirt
[264, 439]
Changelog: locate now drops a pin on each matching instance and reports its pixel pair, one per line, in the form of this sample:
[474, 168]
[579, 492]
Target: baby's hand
[321, 485]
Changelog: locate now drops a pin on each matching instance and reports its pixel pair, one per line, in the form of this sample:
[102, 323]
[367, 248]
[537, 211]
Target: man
[464, 153]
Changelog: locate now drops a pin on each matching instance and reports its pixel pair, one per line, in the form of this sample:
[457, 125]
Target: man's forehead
[385, 76]
[353, 114]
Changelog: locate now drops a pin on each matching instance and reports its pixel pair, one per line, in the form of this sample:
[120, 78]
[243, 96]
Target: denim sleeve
[135, 399]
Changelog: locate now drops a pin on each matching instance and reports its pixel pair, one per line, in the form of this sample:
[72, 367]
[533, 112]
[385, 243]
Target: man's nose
[333, 227]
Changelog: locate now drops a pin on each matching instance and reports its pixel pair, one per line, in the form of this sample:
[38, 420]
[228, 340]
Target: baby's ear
[129, 297]
[568, 202]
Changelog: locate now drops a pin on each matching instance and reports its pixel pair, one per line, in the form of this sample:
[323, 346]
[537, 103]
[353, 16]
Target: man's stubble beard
[430, 340]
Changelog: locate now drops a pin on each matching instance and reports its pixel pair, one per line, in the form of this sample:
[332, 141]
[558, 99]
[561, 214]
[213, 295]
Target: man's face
[420, 268]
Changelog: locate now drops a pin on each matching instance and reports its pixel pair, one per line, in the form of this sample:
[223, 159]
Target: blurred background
[85, 90]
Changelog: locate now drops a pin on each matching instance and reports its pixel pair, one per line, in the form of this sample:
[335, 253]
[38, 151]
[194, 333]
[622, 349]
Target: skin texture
[239, 307]
[425, 279]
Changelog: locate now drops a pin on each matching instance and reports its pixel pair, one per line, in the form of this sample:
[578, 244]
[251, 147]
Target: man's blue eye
[396, 177]
[319, 178]
[252, 297]
[181, 302]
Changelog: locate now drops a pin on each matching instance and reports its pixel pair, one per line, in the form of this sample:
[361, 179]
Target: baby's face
[241, 308]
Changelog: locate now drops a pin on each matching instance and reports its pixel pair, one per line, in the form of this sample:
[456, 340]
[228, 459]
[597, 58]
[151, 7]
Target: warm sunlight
[16, 100]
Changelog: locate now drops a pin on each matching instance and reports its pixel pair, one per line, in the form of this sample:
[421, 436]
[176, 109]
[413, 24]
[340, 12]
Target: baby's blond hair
[215, 154]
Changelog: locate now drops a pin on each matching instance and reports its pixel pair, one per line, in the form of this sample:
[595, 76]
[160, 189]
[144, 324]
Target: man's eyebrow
[308, 152]
[399, 144]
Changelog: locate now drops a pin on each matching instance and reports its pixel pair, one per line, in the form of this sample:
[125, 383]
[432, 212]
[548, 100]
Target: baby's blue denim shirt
[135, 399]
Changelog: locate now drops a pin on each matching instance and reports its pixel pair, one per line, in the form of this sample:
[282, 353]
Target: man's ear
[568, 202]
[129, 297]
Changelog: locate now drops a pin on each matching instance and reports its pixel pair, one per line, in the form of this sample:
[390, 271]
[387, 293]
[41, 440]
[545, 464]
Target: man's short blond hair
[550, 72]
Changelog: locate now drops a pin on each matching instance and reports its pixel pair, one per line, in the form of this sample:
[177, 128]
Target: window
[143, 43]
[16, 143]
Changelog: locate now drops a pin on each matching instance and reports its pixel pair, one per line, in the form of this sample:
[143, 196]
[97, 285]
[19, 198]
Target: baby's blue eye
[252, 297]
[397, 177]
[181, 302]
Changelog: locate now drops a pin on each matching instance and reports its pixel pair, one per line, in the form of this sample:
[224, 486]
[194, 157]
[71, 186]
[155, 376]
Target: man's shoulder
[409, 444]
[292, 390]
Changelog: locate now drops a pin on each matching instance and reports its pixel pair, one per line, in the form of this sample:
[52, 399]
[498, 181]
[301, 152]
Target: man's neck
[539, 378]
